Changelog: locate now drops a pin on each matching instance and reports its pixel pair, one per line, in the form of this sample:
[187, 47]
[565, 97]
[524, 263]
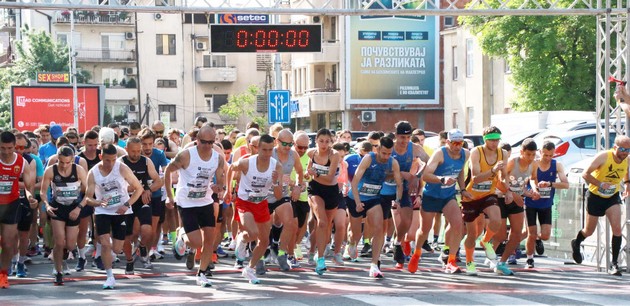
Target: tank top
[9, 179]
[287, 168]
[112, 188]
[372, 180]
[139, 169]
[517, 179]
[405, 161]
[610, 172]
[450, 168]
[66, 190]
[92, 162]
[27, 160]
[323, 169]
[546, 193]
[304, 161]
[486, 187]
[193, 187]
[255, 185]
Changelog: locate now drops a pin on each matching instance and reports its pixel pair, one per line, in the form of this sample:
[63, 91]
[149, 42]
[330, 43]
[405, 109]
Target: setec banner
[392, 59]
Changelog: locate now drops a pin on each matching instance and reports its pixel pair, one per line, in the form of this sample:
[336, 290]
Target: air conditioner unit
[131, 71]
[368, 116]
[133, 108]
[201, 46]
[157, 16]
[317, 19]
[130, 35]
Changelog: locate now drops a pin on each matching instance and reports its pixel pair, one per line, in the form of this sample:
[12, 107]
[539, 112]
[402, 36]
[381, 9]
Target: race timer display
[230, 38]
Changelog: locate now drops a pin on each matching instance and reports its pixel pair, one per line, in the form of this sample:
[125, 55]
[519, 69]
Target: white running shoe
[241, 248]
[203, 281]
[109, 283]
[338, 259]
[249, 274]
[375, 272]
[490, 263]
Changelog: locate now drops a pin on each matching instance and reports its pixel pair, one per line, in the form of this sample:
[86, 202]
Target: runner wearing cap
[438, 197]
[488, 168]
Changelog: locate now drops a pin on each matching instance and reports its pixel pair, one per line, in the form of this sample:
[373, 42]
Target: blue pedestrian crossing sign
[279, 106]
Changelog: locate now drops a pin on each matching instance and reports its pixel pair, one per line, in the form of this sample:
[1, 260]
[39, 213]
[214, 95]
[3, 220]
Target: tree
[242, 107]
[40, 54]
[552, 58]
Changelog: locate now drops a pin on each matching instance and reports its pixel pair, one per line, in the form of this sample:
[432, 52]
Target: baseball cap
[455, 135]
[403, 128]
[56, 131]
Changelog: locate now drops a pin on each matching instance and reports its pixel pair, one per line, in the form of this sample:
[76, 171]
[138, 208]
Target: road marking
[385, 299]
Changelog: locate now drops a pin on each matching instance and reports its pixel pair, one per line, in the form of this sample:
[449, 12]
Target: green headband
[492, 136]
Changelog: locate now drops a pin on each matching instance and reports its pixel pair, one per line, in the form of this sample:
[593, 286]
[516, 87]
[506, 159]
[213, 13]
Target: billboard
[392, 59]
[32, 106]
[243, 18]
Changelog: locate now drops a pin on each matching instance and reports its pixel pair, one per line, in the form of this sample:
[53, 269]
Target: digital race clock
[265, 38]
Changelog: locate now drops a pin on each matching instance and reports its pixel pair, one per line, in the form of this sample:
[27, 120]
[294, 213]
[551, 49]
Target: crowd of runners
[128, 192]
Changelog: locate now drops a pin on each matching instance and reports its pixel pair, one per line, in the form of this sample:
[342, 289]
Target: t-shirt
[46, 151]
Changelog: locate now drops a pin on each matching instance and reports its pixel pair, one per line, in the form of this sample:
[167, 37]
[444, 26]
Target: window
[449, 21]
[168, 108]
[454, 63]
[454, 119]
[261, 104]
[108, 75]
[263, 62]
[469, 57]
[165, 44]
[214, 60]
[164, 2]
[64, 39]
[471, 118]
[113, 41]
[167, 83]
[214, 102]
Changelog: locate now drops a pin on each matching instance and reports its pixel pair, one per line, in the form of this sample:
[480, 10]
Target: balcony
[215, 74]
[106, 55]
[330, 54]
[7, 21]
[121, 93]
[95, 18]
[324, 100]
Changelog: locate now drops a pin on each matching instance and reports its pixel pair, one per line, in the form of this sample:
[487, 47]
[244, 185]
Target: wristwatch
[127, 204]
[443, 180]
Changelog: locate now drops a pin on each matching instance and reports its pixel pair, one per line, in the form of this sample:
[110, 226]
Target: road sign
[279, 106]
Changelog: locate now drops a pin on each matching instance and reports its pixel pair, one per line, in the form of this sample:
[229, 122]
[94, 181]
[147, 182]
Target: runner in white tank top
[197, 168]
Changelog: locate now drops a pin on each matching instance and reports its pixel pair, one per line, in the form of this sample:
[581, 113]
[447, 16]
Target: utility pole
[73, 73]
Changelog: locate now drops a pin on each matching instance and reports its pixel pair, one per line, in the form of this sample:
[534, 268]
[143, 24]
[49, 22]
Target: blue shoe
[99, 263]
[519, 253]
[221, 252]
[321, 266]
[502, 268]
[512, 260]
[21, 271]
[12, 268]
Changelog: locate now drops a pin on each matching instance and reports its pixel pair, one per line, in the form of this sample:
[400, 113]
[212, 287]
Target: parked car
[573, 146]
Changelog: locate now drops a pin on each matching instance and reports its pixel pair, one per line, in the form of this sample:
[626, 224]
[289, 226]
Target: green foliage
[37, 52]
[243, 105]
[552, 58]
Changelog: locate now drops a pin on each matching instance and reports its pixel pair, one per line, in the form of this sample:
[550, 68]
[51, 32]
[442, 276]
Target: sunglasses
[302, 147]
[159, 132]
[20, 147]
[210, 142]
[286, 144]
[457, 143]
[622, 150]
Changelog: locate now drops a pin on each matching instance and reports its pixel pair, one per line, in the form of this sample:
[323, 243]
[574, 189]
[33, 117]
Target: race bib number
[482, 187]
[370, 190]
[6, 187]
[608, 191]
[286, 182]
[257, 196]
[391, 182]
[445, 186]
[112, 198]
[321, 170]
[67, 194]
[545, 192]
[197, 193]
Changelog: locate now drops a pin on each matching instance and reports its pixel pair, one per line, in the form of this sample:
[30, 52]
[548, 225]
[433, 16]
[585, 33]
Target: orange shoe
[399, 266]
[4, 279]
[406, 246]
[215, 258]
[198, 254]
[412, 267]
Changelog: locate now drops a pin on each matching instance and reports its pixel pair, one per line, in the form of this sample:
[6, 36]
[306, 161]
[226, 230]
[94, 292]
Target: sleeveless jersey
[66, 190]
[517, 179]
[546, 193]
[287, 168]
[139, 169]
[92, 162]
[450, 168]
[304, 161]
[323, 169]
[9, 179]
[27, 160]
[610, 172]
[404, 162]
[111, 188]
[372, 181]
[255, 185]
[486, 187]
[193, 187]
